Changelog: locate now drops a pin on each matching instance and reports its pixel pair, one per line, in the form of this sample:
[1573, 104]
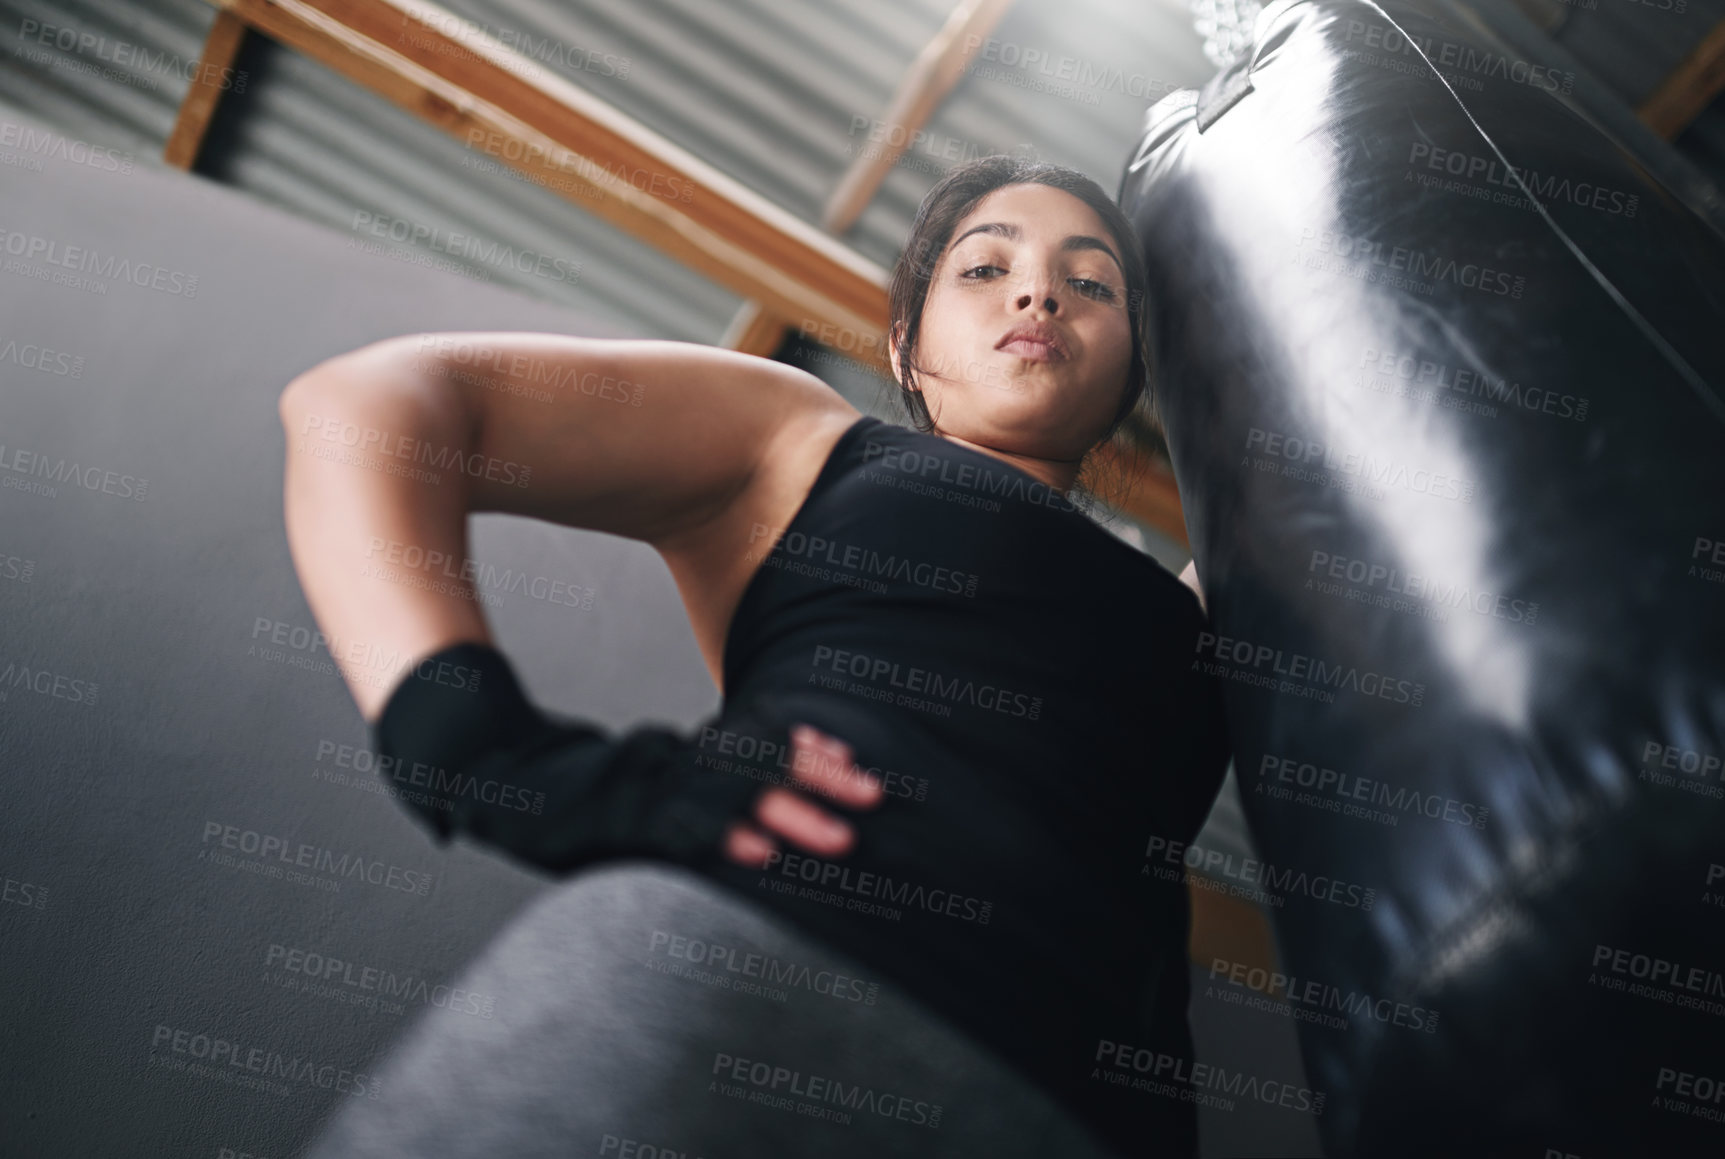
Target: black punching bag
[1440, 366]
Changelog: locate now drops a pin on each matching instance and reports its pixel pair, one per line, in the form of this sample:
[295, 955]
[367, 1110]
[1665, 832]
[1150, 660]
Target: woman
[979, 705]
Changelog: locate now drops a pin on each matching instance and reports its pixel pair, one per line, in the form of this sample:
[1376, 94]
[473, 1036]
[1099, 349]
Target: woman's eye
[1091, 288]
[977, 271]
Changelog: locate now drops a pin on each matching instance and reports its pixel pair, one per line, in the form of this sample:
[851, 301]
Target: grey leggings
[630, 1021]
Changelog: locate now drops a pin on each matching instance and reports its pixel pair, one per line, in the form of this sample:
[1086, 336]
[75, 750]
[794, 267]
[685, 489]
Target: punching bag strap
[1223, 91]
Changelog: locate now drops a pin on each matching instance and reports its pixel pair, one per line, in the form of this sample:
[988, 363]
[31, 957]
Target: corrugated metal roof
[315, 143]
[782, 96]
[123, 102]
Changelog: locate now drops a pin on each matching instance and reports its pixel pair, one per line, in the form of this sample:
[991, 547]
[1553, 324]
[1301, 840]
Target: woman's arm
[391, 446]
[352, 501]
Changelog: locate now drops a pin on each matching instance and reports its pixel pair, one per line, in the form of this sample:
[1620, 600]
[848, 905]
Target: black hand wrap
[472, 755]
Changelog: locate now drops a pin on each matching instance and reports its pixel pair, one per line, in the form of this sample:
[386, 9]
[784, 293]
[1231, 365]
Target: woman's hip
[640, 1010]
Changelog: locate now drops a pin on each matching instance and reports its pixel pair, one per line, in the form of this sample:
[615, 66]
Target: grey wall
[173, 709]
[143, 698]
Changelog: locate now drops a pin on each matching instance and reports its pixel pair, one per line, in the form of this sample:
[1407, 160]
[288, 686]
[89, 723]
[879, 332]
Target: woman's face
[1026, 341]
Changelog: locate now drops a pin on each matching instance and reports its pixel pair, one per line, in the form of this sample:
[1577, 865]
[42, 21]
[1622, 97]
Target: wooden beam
[1142, 486]
[214, 76]
[938, 67]
[1690, 88]
[754, 331]
[934, 72]
[1229, 928]
[455, 76]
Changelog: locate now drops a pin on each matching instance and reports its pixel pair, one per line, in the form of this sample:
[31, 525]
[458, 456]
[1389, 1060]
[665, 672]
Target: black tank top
[1023, 682]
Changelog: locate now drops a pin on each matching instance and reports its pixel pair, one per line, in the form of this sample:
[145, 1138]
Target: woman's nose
[1048, 300]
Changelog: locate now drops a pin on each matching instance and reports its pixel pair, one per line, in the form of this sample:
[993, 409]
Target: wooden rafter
[1142, 486]
[1229, 928]
[937, 68]
[213, 76]
[934, 73]
[454, 75]
[1690, 88]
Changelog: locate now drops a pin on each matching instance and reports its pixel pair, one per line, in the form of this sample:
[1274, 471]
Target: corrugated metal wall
[103, 93]
[781, 96]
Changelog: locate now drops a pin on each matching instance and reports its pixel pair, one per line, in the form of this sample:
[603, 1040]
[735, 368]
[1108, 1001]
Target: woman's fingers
[803, 823]
[799, 821]
[748, 846]
[822, 764]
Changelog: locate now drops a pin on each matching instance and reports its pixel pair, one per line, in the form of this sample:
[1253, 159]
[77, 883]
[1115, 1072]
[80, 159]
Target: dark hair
[956, 195]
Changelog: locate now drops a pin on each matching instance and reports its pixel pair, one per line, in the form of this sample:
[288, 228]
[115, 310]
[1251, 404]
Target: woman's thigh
[644, 1013]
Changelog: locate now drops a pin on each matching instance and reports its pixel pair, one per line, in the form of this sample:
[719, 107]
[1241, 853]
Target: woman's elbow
[380, 374]
[314, 387]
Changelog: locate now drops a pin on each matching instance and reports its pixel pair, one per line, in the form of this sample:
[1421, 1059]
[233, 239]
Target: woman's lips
[1032, 350]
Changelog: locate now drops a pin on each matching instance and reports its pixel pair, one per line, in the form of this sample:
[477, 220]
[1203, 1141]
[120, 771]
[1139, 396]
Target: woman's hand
[820, 765]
